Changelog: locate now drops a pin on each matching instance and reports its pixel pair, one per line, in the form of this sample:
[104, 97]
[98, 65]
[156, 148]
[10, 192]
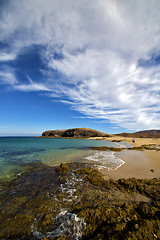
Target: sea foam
[105, 159]
[64, 224]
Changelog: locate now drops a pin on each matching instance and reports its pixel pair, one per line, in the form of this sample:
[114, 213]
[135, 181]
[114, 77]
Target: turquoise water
[17, 152]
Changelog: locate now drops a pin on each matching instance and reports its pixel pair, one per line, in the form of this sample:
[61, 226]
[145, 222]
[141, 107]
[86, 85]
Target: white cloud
[31, 86]
[7, 76]
[100, 44]
[7, 56]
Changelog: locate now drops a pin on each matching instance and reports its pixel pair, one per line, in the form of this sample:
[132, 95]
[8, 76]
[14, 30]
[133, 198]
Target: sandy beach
[138, 141]
[138, 164]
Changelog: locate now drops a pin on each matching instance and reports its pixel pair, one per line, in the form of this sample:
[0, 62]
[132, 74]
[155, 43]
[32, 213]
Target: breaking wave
[105, 159]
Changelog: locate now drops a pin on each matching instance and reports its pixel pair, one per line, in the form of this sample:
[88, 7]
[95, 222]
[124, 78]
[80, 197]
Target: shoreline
[138, 164]
[138, 141]
[155, 142]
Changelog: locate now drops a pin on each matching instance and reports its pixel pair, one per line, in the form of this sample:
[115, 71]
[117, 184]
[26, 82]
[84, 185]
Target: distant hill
[74, 133]
[142, 134]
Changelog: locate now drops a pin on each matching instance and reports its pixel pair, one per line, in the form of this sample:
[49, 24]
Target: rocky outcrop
[142, 134]
[74, 133]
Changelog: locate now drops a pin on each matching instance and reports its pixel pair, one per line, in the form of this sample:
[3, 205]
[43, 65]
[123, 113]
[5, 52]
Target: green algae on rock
[78, 204]
[92, 175]
[63, 168]
[124, 218]
[140, 148]
[104, 148]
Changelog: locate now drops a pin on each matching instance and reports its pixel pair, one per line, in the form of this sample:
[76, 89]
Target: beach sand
[138, 164]
[138, 141]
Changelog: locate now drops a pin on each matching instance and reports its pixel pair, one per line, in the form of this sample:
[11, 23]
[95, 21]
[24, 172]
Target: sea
[16, 153]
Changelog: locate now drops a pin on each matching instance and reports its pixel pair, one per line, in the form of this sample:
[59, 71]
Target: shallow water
[17, 152]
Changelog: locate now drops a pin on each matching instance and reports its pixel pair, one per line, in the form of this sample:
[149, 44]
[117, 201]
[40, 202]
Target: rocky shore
[74, 201]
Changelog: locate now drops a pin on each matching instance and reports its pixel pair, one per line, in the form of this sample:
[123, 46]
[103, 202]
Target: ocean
[16, 153]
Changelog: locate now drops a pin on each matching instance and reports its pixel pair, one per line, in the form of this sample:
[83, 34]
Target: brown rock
[74, 133]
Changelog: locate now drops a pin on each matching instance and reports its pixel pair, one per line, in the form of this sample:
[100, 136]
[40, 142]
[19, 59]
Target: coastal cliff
[74, 133]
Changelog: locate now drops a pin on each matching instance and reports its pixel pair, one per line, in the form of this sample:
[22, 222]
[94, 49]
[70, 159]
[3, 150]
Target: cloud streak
[97, 47]
[31, 86]
[7, 75]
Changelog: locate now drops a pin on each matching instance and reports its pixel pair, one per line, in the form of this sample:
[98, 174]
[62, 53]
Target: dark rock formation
[74, 133]
[78, 204]
[142, 134]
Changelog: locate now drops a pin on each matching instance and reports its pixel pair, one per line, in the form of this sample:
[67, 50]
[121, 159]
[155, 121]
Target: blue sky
[66, 64]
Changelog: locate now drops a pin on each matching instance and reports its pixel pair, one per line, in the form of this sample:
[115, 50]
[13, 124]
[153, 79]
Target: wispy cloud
[31, 86]
[7, 75]
[97, 47]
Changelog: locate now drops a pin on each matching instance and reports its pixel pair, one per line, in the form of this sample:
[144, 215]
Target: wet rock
[78, 204]
[140, 148]
[108, 149]
[92, 175]
[61, 238]
[63, 168]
